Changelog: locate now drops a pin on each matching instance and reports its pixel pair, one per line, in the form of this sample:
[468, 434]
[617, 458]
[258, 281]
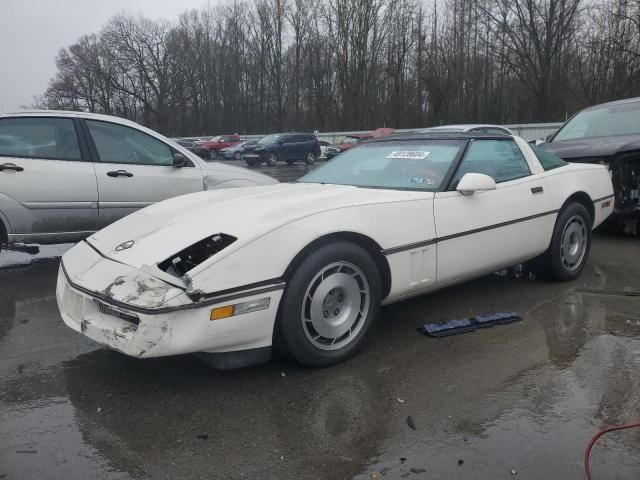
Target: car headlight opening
[192, 256]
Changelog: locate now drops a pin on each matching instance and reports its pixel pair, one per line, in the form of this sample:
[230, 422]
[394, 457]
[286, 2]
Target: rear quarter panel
[594, 180]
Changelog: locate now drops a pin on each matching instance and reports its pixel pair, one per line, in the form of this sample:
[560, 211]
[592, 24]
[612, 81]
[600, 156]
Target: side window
[286, 139]
[548, 160]
[121, 144]
[39, 137]
[500, 159]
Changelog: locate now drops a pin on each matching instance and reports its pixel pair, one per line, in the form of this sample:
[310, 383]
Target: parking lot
[516, 400]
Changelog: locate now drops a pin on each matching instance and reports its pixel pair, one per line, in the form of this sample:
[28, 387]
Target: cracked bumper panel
[172, 333]
[117, 281]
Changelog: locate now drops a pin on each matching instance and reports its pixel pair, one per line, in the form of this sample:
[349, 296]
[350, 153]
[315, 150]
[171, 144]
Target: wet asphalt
[514, 401]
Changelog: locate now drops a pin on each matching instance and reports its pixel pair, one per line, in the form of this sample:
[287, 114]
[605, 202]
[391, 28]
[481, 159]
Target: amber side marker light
[227, 311]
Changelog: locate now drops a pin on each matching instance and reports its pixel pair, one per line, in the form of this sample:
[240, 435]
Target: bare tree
[272, 65]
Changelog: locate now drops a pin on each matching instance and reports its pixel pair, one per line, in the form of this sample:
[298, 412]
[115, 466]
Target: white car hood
[161, 230]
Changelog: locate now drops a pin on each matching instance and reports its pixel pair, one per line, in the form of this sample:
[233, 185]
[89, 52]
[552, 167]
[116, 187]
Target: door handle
[119, 173]
[11, 166]
[535, 190]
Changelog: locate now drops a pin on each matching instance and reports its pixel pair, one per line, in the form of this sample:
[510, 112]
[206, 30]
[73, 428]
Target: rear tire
[311, 158]
[329, 306]
[272, 159]
[569, 248]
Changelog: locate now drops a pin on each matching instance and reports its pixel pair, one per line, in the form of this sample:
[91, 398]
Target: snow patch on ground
[48, 254]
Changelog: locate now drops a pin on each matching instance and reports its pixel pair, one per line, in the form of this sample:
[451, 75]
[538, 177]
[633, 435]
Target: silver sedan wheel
[335, 306]
[574, 242]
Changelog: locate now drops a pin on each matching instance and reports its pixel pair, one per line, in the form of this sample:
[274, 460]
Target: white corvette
[306, 266]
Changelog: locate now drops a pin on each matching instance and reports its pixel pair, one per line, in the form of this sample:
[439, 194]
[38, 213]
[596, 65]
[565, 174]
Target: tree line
[258, 66]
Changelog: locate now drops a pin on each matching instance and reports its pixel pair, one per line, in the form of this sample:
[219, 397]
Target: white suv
[65, 175]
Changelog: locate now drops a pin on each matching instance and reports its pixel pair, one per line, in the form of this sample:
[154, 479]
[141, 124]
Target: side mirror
[471, 183]
[179, 160]
[550, 136]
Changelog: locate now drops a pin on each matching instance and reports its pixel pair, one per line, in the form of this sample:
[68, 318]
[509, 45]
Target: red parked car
[215, 144]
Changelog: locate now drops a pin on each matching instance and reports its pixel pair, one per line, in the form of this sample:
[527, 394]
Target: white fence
[528, 131]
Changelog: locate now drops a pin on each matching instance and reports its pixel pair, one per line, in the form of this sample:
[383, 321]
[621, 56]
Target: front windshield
[216, 139]
[398, 164]
[602, 122]
[351, 140]
[269, 139]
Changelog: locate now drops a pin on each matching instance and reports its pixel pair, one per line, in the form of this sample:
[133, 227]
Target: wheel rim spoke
[573, 243]
[335, 305]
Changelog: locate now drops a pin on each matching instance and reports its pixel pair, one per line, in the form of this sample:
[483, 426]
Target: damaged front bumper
[133, 312]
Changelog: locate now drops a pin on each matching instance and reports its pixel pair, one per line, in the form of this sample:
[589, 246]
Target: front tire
[237, 156]
[570, 245]
[329, 306]
[272, 159]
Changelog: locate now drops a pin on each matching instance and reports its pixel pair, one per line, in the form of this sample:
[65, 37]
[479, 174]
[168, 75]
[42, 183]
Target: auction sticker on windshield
[419, 154]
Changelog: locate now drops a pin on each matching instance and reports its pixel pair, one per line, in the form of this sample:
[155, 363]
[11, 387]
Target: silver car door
[48, 189]
[135, 169]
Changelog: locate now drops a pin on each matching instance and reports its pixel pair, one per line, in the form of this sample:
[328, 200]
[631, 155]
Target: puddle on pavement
[582, 375]
[49, 444]
[526, 396]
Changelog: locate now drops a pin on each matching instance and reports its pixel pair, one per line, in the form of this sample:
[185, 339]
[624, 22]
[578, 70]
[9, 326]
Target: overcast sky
[32, 32]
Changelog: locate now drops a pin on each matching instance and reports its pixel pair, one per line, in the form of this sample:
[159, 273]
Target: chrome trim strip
[603, 198]
[124, 204]
[60, 205]
[411, 246]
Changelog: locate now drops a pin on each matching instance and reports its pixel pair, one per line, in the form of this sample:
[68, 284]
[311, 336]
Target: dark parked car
[287, 147]
[192, 147]
[609, 134]
[235, 152]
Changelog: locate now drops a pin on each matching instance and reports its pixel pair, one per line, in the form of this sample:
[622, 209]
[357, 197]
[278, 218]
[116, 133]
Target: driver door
[489, 230]
[135, 170]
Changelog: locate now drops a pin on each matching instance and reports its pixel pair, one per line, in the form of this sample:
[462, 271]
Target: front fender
[267, 256]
